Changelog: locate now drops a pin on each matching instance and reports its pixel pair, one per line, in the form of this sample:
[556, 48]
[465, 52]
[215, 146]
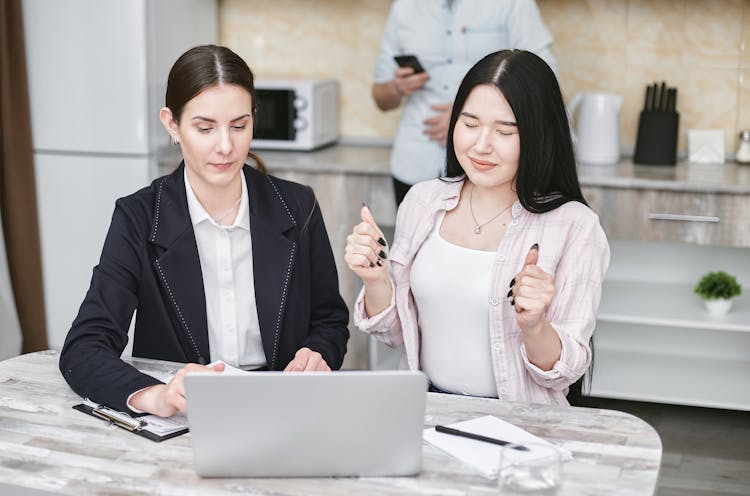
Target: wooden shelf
[697, 381]
[667, 304]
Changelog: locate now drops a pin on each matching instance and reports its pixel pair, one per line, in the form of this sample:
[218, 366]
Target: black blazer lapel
[274, 252]
[175, 260]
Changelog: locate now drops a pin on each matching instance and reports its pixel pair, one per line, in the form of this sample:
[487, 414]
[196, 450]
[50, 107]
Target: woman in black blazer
[233, 264]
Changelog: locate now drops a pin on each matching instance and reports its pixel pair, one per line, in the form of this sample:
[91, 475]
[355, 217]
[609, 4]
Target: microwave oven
[298, 114]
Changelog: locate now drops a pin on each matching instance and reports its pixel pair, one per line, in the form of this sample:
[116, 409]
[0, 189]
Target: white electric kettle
[597, 127]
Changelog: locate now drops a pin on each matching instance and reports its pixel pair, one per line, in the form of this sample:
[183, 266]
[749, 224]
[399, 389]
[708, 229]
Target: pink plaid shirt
[572, 247]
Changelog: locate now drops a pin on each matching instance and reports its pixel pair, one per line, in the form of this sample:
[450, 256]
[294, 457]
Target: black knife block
[656, 143]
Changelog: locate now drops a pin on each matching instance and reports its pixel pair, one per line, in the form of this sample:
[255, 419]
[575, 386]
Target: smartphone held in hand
[409, 61]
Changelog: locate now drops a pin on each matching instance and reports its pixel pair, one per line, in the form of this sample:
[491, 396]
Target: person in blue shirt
[448, 37]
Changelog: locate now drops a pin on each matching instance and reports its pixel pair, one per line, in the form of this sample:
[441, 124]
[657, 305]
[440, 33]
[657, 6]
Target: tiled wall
[319, 38]
[700, 46]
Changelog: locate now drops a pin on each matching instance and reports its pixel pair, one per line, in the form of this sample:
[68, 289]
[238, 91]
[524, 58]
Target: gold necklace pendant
[477, 226]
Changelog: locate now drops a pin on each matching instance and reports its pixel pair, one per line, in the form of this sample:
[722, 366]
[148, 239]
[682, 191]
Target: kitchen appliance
[743, 150]
[597, 129]
[658, 124]
[298, 114]
[97, 73]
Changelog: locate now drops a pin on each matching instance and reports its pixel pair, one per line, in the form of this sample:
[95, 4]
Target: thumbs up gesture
[365, 252]
[531, 292]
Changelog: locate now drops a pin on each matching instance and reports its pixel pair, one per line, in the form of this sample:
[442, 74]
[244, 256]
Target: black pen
[478, 437]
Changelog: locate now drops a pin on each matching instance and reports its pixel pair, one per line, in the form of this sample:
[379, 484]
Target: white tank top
[451, 288]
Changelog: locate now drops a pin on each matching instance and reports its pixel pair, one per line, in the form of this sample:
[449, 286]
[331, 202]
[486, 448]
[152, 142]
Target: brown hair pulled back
[204, 67]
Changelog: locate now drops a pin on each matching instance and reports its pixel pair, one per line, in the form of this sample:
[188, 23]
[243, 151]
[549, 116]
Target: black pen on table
[479, 437]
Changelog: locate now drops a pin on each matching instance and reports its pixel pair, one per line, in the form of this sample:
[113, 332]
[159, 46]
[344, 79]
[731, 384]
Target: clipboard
[143, 426]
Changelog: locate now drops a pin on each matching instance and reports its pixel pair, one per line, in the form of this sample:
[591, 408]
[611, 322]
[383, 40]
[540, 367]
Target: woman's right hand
[365, 254]
[165, 400]
[365, 250]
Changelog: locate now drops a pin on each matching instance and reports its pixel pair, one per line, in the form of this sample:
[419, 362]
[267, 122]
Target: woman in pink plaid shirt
[494, 275]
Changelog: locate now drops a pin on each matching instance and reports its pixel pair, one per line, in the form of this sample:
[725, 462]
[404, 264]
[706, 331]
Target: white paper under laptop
[302, 424]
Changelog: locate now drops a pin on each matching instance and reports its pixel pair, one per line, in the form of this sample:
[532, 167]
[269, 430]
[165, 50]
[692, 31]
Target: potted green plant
[717, 290]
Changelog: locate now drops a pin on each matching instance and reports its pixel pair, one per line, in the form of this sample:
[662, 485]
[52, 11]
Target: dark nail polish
[512, 302]
[382, 254]
[372, 264]
[364, 204]
[512, 282]
[510, 293]
[535, 247]
[380, 264]
[381, 241]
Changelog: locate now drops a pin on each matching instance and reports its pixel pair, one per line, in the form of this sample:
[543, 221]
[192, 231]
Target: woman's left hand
[532, 293]
[306, 360]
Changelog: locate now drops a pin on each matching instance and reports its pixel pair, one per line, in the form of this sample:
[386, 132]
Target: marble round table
[48, 447]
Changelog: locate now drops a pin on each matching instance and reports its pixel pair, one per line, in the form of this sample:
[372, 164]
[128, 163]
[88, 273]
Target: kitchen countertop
[704, 178]
[348, 159]
[375, 160]
[335, 159]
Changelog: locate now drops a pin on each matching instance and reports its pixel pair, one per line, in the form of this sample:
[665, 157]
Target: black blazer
[150, 264]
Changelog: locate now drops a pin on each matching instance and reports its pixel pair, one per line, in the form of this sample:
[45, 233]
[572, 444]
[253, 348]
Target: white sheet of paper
[485, 457]
[228, 369]
[165, 425]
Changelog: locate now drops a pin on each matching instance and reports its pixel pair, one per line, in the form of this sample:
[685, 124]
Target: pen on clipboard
[119, 418]
[479, 437]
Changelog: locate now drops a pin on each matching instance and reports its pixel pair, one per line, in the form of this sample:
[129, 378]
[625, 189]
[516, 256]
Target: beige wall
[320, 38]
[700, 46]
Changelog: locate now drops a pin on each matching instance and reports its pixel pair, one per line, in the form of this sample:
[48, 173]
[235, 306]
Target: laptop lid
[302, 424]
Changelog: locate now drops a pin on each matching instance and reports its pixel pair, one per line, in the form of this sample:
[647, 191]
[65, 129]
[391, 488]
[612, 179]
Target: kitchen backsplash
[700, 46]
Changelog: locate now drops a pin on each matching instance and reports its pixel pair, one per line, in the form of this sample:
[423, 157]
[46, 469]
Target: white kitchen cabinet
[654, 340]
[656, 214]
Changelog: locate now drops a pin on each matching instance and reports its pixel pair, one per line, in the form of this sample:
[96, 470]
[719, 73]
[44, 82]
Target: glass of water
[533, 472]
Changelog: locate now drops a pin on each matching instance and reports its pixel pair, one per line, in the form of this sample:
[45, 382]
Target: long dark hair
[204, 67]
[546, 176]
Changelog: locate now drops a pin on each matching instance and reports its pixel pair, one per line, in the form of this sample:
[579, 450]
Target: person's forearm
[543, 346]
[386, 95]
[378, 296]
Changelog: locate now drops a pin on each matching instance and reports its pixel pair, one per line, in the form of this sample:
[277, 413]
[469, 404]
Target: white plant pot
[718, 307]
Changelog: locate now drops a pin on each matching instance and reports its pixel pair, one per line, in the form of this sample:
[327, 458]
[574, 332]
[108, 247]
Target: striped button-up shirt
[573, 249]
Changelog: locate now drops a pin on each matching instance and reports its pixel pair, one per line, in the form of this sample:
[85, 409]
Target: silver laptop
[305, 424]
